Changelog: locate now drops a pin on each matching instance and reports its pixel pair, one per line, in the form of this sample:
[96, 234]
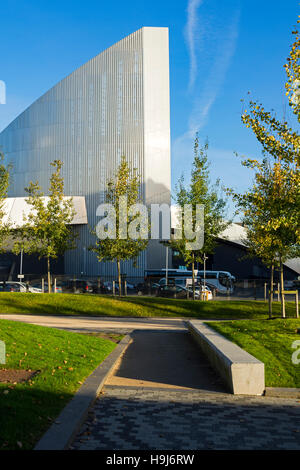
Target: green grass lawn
[270, 341]
[64, 360]
[96, 305]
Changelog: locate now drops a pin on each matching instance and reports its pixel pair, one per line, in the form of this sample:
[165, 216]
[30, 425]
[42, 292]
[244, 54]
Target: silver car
[15, 286]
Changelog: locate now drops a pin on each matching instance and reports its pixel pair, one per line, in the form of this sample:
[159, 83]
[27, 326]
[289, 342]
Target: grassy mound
[63, 361]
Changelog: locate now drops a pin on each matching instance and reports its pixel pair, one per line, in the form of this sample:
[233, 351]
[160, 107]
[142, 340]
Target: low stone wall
[242, 373]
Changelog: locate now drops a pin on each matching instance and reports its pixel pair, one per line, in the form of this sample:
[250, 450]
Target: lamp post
[167, 263]
[84, 260]
[21, 275]
[204, 273]
[21, 262]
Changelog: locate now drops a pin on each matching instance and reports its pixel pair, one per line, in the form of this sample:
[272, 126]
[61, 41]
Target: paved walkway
[165, 396]
[165, 359]
[142, 419]
[77, 323]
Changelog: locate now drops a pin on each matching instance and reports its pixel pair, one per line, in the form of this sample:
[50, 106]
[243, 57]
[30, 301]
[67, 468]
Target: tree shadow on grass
[26, 414]
[137, 307]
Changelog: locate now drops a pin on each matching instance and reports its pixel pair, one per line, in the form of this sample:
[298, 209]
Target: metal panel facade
[116, 104]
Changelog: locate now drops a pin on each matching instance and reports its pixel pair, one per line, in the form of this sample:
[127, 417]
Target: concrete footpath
[165, 359]
[107, 324]
[164, 395]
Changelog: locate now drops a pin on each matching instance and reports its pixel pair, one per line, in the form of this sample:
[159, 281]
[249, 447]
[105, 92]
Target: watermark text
[296, 354]
[138, 221]
[2, 352]
[2, 92]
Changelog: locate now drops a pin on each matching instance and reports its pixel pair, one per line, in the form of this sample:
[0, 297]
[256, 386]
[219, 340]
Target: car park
[180, 292]
[14, 286]
[206, 292]
[108, 286]
[79, 286]
[38, 287]
[221, 282]
[147, 288]
[174, 291]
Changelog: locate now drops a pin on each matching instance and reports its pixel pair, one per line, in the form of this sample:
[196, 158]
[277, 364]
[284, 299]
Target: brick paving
[186, 408]
[141, 419]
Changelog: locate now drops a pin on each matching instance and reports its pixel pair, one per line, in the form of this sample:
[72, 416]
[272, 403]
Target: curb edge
[62, 432]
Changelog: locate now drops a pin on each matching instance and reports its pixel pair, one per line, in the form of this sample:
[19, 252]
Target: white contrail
[222, 52]
[190, 31]
[216, 76]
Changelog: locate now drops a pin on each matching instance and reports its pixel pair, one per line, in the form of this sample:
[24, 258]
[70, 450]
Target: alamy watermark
[296, 354]
[2, 92]
[138, 221]
[296, 92]
[2, 352]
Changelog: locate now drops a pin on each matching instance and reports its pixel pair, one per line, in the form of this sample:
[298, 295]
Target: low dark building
[233, 256]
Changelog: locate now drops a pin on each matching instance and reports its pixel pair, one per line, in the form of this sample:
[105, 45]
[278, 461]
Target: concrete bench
[242, 373]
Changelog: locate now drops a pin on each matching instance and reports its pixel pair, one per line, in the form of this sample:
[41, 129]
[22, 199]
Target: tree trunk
[49, 275]
[119, 276]
[193, 276]
[271, 291]
[282, 299]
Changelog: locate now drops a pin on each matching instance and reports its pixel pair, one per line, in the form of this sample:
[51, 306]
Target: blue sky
[219, 50]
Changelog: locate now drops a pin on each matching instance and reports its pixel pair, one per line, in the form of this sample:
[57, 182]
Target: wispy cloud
[211, 41]
[190, 32]
[215, 77]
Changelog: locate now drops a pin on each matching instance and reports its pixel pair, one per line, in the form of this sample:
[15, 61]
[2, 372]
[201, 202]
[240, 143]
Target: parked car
[204, 289]
[98, 287]
[12, 287]
[79, 286]
[15, 286]
[146, 289]
[180, 292]
[71, 286]
[108, 286]
[177, 292]
[38, 287]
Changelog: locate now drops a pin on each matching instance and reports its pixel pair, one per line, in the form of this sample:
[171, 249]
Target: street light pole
[204, 273]
[167, 262]
[21, 262]
[21, 275]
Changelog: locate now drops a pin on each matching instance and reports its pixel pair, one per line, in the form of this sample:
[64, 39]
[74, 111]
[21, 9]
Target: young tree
[117, 241]
[271, 217]
[4, 185]
[47, 230]
[201, 193]
[281, 179]
[292, 68]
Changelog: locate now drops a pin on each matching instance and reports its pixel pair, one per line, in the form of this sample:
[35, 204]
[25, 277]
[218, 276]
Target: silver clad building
[116, 104]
